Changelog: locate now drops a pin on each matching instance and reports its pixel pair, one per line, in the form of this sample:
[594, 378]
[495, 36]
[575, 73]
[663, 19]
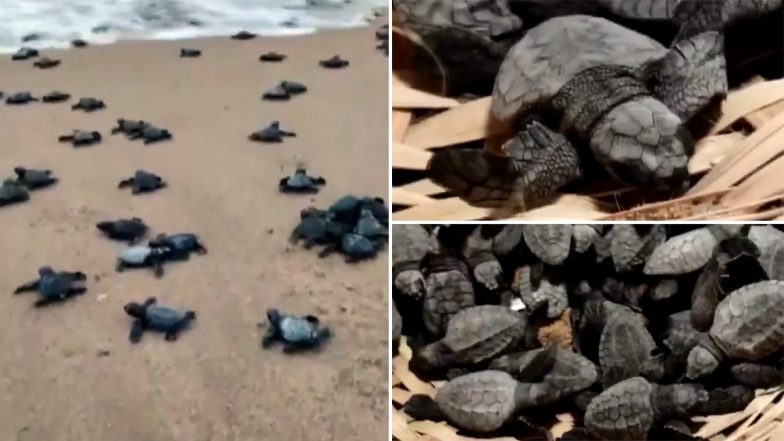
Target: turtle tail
[474, 175]
[423, 407]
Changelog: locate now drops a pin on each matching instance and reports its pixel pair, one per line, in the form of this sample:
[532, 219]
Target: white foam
[60, 21]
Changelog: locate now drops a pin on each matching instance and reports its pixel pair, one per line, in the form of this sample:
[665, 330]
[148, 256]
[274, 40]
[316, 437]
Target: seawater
[54, 23]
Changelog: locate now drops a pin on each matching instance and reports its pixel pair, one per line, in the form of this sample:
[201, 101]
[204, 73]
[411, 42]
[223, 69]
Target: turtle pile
[634, 329]
[588, 90]
[356, 227]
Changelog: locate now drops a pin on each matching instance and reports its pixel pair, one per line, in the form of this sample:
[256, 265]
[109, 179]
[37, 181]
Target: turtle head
[691, 76]
[643, 143]
[700, 362]
[45, 270]
[104, 225]
[274, 316]
[134, 309]
[20, 171]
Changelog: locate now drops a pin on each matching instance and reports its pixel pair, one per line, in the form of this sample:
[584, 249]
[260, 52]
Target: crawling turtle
[273, 57]
[89, 105]
[150, 134]
[54, 286]
[617, 91]
[726, 400]
[689, 251]
[449, 289]
[56, 97]
[189, 53]
[277, 93]
[334, 62]
[128, 126]
[296, 333]
[143, 182]
[353, 246]
[46, 63]
[140, 256]
[149, 316]
[368, 226]
[315, 228]
[300, 182]
[480, 402]
[478, 254]
[181, 245]
[34, 179]
[79, 43]
[271, 133]
[748, 325]
[20, 98]
[642, 404]
[293, 87]
[12, 192]
[625, 348]
[82, 138]
[243, 35]
[631, 245]
[473, 335]
[549, 242]
[409, 247]
[24, 53]
[538, 286]
[130, 230]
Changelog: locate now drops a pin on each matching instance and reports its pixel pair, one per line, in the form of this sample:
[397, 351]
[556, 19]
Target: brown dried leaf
[404, 156]
[469, 121]
[748, 100]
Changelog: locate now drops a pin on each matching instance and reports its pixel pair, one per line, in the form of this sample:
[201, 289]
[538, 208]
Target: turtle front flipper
[40, 303]
[27, 287]
[270, 337]
[540, 161]
[125, 183]
[137, 329]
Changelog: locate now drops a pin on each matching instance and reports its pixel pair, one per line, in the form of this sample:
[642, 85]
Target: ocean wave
[53, 24]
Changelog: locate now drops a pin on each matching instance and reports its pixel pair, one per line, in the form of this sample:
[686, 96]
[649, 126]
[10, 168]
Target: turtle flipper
[157, 267]
[76, 291]
[329, 249]
[125, 183]
[40, 303]
[200, 249]
[66, 138]
[137, 329]
[27, 287]
[270, 337]
[171, 336]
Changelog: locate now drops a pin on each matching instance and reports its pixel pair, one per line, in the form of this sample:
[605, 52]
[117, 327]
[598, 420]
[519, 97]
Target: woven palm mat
[737, 169]
[762, 420]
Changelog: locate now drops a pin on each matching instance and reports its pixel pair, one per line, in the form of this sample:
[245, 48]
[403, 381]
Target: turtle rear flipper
[137, 329]
[28, 287]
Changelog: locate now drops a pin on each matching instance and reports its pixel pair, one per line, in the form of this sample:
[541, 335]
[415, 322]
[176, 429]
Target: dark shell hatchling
[449, 288]
[128, 126]
[24, 53]
[89, 105]
[56, 97]
[46, 63]
[748, 325]
[316, 227]
[149, 316]
[478, 254]
[354, 247]
[549, 242]
[271, 134]
[409, 248]
[54, 286]
[20, 98]
[143, 182]
[296, 333]
[581, 84]
[12, 192]
[689, 251]
[34, 179]
[537, 290]
[129, 230]
[369, 227]
[334, 62]
[180, 245]
[301, 182]
[81, 138]
[150, 134]
[143, 257]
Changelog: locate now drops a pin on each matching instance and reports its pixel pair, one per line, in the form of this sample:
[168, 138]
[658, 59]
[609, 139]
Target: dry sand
[215, 383]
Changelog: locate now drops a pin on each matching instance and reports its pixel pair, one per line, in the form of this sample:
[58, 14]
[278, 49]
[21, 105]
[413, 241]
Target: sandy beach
[216, 382]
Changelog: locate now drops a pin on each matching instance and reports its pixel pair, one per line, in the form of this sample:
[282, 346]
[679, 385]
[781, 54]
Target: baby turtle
[130, 230]
[334, 62]
[632, 245]
[726, 400]
[473, 335]
[300, 182]
[625, 348]
[56, 97]
[688, 252]
[79, 43]
[354, 247]
[140, 256]
[449, 289]
[296, 333]
[478, 253]
[89, 105]
[81, 138]
[24, 53]
[20, 98]
[480, 402]
[128, 126]
[54, 287]
[46, 63]
[34, 179]
[370, 227]
[315, 228]
[150, 134]
[629, 409]
[271, 134]
[613, 87]
[12, 192]
[143, 182]
[293, 87]
[273, 57]
[748, 325]
[277, 93]
[409, 248]
[243, 35]
[539, 287]
[189, 53]
[152, 317]
[181, 245]
[549, 242]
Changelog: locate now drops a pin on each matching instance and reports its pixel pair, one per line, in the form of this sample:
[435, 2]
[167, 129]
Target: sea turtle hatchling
[409, 248]
[629, 409]
[697, 16]
[540, 287]
[316, 227]
[20, 98]
[757, 375]
[89, 105]
[625, 349]
[128, 126]
[549, 242]
[143, 182]
[277, 93]
[150, 134]
[301, 182]
[296, 333]
[149, 316]
[33, 179]
[81, 138]
[371, 228]
[56, 96]
[11, 192]
[580, 81]
[46, 63]
[24, 53]
[334, 62]
[748, 325]
[180, 245]
[272, 57]
[129, 230]
[473, 335]
[271, 134]
[689, 251]
[353, 246]
[54, 286]
[449, 289]
[632, 245]
[189, 53]
[140, 256]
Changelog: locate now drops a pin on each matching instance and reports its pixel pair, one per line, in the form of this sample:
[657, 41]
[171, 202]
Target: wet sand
[215, 383]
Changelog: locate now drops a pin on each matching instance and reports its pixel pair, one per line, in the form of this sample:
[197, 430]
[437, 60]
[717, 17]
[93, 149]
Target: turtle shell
[770, 242]
[550, 54]
[162, 318]
[681, 336]
[482, 332]
[749, 322]
[489, 19]
[447, 293]
[629, 249]
[642, 9]
[584, 237]
[623, 411]
[480, 401]
[624, 347]
[507, 239]
[410, 244]
[549, 242]
[683, 253]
